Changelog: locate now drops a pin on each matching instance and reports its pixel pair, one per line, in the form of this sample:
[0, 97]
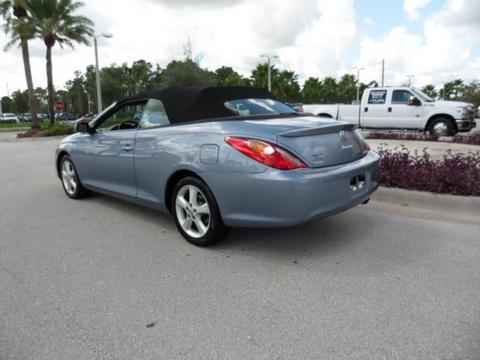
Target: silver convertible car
[219, 157]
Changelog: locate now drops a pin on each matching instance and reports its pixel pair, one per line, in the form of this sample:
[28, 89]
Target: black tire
[325, 116]
[447, 124]
[79, 192]
[216, 228]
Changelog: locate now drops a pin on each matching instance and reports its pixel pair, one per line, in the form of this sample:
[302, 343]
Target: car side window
[377, 97]
[154, 114]
[401, 96]
[127, 117]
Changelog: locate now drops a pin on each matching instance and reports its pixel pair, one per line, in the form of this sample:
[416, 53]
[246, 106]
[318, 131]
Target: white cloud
[413, 7]
[442, 53]
[311, 37]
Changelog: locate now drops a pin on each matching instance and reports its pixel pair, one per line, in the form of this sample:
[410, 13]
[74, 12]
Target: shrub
[46, 130]
[472, 139]
[58, 130]
[457, 174]
[391, 135]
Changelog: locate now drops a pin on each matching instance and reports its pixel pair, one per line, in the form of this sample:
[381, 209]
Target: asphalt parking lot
[104, 279]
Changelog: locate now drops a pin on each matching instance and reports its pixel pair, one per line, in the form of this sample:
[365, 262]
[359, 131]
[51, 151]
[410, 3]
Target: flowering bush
[457, 174]
[472, 139]
[392, 135]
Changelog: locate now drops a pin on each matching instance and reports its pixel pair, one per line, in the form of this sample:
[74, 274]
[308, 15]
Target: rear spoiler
[320, 130]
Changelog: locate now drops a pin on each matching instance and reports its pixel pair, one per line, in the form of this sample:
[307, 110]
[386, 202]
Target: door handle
[389, 109]
[366, 109]
[127, 148]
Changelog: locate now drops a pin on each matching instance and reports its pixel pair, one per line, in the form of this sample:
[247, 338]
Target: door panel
[402, 115]
[374, 110]
[105, 159]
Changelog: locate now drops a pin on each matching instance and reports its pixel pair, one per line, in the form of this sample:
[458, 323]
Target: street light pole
[358, 82]
[410, 78]
[269, 72]
[97, 71]
[383, 72]
[269, 75]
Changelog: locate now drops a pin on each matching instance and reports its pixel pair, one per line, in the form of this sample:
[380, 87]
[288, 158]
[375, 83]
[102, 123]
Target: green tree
[6, 104]
[18, 27]
[41, 97]
[329, 90]
[347, 89]
[430, 91]
[20, 101]
[55, 22]
[157, 78]
[141, 74]
[472, 92]
[186, 72]
[311, 91]
[259, 77]
[226, 76]
[76, 92]
[286, 87]
[452, 90]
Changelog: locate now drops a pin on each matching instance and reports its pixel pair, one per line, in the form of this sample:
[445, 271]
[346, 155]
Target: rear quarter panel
[318, 109]
[200, 148]
[349, 113]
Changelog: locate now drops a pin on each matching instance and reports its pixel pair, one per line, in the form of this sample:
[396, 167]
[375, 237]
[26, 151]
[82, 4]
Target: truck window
[401, 96]
[377, 97]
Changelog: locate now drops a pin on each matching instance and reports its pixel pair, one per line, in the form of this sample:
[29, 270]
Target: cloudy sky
[434, 40]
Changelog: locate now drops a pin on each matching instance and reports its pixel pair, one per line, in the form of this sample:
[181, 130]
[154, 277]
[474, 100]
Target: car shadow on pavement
[358, 236]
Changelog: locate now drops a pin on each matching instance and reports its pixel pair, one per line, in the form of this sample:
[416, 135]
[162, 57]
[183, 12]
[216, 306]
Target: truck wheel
[442, 127]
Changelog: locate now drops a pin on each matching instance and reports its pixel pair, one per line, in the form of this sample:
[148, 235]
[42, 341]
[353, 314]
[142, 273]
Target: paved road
[103, 279]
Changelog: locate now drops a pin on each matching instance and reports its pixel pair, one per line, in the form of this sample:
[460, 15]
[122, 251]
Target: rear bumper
[283, 198]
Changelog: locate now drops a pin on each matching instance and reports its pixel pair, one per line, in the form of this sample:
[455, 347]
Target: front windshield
[422, 95]
[247, 107]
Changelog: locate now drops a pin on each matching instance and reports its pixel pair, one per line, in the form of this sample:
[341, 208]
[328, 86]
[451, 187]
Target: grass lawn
[45, 128]
[14, 126]
[21, 126]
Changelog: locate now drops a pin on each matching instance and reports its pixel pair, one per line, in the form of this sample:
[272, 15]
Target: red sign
[59, 106]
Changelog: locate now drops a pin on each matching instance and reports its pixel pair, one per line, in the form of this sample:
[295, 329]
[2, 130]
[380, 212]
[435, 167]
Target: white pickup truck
[401, 108]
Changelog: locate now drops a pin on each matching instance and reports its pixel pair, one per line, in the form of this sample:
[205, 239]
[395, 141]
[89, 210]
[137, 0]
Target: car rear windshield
[248, 107]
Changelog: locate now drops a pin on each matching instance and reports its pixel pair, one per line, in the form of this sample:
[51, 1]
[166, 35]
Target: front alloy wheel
[70, 181]
[196, 212]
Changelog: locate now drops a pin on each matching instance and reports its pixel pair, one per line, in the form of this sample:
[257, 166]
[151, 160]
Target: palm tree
[54, 22]
[286, 87]
[430, 91]
[20, 30]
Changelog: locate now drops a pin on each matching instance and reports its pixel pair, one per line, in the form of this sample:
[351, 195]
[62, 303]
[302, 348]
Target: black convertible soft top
[191, 103]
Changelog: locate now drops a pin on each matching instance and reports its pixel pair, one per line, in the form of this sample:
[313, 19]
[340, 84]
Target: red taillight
[266, 153]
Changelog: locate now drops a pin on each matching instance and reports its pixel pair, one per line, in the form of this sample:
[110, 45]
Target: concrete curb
[458, 205]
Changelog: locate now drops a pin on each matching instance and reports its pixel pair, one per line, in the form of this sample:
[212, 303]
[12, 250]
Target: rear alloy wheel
[442, 127]
[196, 213]
[70, 181]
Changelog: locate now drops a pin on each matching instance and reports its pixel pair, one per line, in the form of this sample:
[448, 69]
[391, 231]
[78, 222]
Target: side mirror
[82, 127]
[413, 101]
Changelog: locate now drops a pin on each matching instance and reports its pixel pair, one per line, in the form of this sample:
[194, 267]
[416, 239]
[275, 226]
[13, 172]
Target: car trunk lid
[325, 145]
